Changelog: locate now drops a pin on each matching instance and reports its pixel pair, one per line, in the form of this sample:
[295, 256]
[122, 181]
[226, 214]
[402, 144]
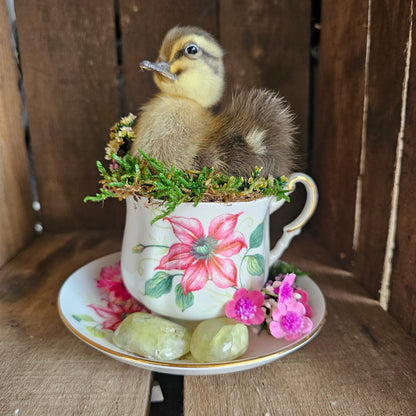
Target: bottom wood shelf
[362, 362]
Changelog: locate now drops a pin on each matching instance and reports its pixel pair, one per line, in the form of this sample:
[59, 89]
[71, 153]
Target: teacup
[188, 265]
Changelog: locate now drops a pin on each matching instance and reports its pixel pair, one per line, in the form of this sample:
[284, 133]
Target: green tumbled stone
[219, 339]
[152, 337]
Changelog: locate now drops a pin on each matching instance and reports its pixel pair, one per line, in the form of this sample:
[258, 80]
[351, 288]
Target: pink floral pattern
[202, 256]
[119, 302]
[114, 314]
[111, 283]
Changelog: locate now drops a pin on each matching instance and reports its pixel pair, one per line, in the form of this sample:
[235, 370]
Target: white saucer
[80, 290]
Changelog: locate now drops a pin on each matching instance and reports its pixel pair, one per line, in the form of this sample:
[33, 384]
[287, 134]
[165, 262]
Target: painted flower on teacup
[202, 256]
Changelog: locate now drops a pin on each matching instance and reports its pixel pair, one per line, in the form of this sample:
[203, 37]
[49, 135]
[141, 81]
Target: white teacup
[189, 264]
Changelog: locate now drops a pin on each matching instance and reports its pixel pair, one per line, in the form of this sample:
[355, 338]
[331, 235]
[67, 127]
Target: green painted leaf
[183, 302]
[158, 285]
[255, 265]
[83, 317]
[256, 237]
[94, 331]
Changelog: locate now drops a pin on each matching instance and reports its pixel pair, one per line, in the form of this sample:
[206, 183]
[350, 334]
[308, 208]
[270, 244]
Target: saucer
[80, 290]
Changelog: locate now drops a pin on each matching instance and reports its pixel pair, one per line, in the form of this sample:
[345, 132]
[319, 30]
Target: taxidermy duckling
[177, 127]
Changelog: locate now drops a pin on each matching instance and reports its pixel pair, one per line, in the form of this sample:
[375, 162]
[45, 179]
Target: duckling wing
[256, 130]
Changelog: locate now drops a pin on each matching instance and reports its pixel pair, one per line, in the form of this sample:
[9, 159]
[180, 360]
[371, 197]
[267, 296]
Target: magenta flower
[290, 322]
[285, 289]
[204, 256]
[111, 283]
[246, 307]
[303, 297]
[114, 314]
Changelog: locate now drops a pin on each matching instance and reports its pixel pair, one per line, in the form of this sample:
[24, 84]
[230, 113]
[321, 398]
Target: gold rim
[187, 365]
[290, 187]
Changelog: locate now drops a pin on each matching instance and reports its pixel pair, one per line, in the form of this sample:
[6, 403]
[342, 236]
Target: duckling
[178, 127]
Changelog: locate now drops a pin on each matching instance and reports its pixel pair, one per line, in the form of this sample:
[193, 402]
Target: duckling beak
[163, 68]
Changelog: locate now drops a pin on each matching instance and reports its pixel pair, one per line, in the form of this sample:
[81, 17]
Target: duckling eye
[191, 49]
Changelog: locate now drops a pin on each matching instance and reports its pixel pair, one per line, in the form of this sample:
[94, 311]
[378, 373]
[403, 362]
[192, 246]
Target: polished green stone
[219, 339]
[152, 337]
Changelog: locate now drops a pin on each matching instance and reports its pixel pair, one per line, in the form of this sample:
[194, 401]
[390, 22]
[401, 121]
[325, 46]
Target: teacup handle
[295, 227]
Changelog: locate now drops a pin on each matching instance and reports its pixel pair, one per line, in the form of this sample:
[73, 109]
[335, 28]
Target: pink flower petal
[112, 315]
[240, 293]
[231, 245]
[307, 325]
[195, 277]
[187, 230]
[256, 297]
[304, 301]
[223, 272]
[111, 272]
[178, 258]
[276, 330]
[230, 306]
[230, 309]
[286, 289]
[296, 307]
[222, 226]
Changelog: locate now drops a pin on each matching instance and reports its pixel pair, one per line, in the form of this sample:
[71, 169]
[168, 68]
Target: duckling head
[190, 64]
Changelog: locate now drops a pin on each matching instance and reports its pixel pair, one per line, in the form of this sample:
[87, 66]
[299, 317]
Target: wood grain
[403, 284]
[45, 369]
[69, 65]
[143, 27]
[16, 215]
[338, 125]
[389, 36]
[267, 46]
[362, 363]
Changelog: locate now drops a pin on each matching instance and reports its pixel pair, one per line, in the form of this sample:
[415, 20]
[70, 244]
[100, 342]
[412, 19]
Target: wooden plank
[403, 284]
[16, 215]
[389, 32]
[269, 48]
[361, 363]
[143, 27]
[338, 126]
[46, 370]
[69, 65]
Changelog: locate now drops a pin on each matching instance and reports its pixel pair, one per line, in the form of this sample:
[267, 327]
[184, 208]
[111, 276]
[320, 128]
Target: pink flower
[202, 256]
[303, 297]
[285, 289]
[111, 283]
[246, 307]
[114, 314]
[290, 322]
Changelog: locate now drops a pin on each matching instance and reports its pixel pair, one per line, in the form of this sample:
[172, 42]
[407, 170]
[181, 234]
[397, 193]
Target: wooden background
[355, 105]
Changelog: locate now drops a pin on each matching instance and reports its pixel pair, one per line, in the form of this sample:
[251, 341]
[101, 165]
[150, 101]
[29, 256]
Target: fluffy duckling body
[177, 127]
[169, 129]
